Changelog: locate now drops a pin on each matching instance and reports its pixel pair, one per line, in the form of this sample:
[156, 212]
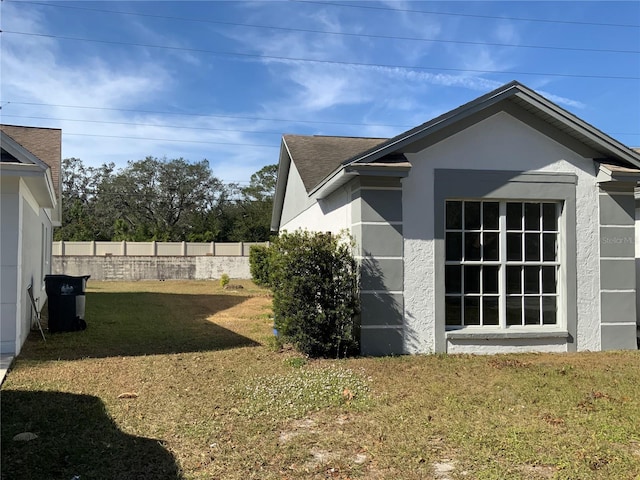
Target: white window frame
[502, 263]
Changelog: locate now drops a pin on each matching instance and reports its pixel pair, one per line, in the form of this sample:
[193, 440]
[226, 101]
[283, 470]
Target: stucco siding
[34, 258]
[331, 214]
[502, 143]
[9, 213]
[24, 228]
[296, 201]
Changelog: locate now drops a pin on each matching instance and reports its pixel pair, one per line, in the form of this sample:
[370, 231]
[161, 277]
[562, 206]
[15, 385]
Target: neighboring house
[505, 225]
[29, 209]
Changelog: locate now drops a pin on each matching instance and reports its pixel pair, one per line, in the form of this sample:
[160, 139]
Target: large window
[501, 263]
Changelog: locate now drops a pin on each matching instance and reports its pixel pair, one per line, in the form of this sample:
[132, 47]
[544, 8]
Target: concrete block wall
[130, 268]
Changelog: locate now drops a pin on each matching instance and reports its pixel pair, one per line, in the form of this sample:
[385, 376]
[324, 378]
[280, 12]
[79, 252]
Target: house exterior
[29, 209]
[505, 225]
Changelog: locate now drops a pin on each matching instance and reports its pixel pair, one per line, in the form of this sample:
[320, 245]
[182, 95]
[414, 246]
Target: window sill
[491, 334]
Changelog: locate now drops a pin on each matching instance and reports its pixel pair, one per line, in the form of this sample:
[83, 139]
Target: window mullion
[502, 256]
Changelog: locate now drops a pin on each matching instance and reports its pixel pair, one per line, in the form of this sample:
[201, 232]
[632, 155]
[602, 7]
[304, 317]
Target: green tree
[161, 199]
[252, 213]
[79, 190]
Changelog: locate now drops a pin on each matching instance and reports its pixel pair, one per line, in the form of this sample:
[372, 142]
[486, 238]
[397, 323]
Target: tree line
[163, 200]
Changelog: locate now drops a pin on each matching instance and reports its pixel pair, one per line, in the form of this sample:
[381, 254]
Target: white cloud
[37, 70]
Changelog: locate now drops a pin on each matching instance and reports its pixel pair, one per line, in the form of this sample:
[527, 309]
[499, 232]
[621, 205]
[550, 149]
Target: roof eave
[37, 179]
[347, 173]
[607, 143]
[513, 89]
[284, 164]
[610, 174]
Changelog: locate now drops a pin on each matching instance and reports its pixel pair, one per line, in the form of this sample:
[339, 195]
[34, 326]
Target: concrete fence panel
[199, 249]
[137, 249]
[228, 249]
[78, 248]
[153, 249]
[108, 248]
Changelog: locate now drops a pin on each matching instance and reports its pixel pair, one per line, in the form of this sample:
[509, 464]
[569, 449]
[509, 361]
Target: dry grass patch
[214, 400]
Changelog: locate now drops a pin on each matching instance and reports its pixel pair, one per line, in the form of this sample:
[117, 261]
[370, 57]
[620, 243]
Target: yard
[182, 380]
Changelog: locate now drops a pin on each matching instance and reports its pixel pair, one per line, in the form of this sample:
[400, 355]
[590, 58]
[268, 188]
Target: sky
[223, 81]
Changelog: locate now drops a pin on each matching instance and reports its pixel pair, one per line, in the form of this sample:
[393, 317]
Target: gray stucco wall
[617, 267]
[114, 268]
[377, 231]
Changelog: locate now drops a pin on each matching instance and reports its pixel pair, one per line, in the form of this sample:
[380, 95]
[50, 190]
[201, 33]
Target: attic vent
[392, 158]
[7, 157]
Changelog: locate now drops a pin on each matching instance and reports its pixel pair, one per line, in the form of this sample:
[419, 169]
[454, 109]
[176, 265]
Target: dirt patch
[296, 428]
[539, 471]
[443, 469]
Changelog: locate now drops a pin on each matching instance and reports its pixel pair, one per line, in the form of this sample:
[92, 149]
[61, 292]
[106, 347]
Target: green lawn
[208, 397]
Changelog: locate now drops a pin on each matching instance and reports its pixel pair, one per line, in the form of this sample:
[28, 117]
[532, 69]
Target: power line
[198, 128]
[172, 140]
[351, 34]
[471, 15]
[370, 7]
[204, 115]
[328, 62]
[145, 124]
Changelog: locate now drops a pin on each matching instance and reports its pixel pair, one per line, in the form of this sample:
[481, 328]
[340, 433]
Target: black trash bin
[66, 302]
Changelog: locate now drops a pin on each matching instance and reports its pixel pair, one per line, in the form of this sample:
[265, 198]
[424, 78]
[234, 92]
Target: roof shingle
[317, 156]
[44, 143]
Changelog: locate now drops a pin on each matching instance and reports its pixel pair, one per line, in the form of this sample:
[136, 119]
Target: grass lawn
[180, 380]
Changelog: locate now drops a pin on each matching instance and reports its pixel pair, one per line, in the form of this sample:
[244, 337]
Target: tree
[80, 186]
[161, 199]
[253, 210]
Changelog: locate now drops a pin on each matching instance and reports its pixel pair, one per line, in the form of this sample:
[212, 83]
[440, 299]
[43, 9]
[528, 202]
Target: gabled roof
[511, 97]
[317, 156]
[325, 163]
[43, 143]
[34, 155]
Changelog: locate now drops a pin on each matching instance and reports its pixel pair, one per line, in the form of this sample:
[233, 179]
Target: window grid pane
[474, 263]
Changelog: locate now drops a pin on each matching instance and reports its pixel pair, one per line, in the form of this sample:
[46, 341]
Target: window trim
[503, 263]
[518, 186]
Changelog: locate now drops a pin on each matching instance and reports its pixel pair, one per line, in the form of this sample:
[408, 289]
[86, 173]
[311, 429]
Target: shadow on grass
[76, 437]
[142, 323]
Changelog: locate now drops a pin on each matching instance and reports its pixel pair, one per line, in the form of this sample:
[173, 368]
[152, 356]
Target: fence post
[184, 249]
[154, 248]
[212, 250]
[93, 248]
[123, 248]
[62, 248]
[242, 249]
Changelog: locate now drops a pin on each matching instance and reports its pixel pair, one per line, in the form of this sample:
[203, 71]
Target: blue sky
[204, 79]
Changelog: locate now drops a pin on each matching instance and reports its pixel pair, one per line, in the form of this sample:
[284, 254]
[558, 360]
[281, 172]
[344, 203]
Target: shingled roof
[44, 143]
[317, 156]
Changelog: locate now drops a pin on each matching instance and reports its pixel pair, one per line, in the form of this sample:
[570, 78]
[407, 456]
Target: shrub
[259, 264]
[315, 292]
[224, 280]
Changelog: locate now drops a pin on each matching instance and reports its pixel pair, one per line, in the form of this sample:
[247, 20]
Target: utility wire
[172, 140]
[351, 34]
[370, 7]
[145, 124]
[265, 119]
[471, 15]
[197, 128]
[328, 62]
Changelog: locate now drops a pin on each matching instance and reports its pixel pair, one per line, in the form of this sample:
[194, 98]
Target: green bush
[315, 293]
[224, 280]
[259, 264]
